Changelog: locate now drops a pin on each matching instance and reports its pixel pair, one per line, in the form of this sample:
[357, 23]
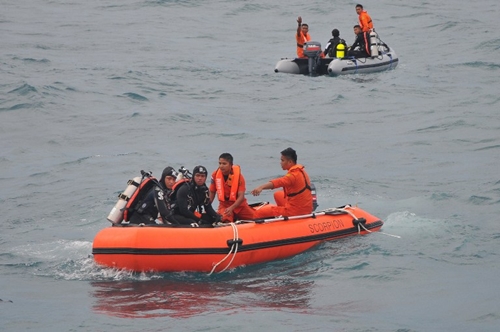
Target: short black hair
[357, 26]
[227, 156]
[290, 154]
[360, 6]
[304, 25]
[335, 33]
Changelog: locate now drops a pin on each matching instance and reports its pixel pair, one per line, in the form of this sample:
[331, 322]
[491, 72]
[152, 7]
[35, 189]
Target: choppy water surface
[92, 92]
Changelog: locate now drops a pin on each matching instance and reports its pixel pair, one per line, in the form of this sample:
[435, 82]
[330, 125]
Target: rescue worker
[228, 184]
[331, 46]
[361, 46]
[302, 36]
[155, 205]
[365, 21]
[296, 197]
[191, 202]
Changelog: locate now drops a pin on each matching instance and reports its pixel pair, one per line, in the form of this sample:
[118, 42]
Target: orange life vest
[301, 40]
[233, 181]
[365, 21]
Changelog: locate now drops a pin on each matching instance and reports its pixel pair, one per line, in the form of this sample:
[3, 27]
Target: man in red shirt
[296, 197]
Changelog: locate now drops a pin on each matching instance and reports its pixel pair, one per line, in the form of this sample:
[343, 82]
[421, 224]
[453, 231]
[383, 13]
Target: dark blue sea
[92, 92]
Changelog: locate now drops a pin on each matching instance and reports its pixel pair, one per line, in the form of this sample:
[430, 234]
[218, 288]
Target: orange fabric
[365, 21]
[223, 186]
[243, 211]
[292, 183]
[280, 198]
[301, 40]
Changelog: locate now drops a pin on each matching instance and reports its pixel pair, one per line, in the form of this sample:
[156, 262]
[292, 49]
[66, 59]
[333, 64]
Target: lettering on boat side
[325, 226]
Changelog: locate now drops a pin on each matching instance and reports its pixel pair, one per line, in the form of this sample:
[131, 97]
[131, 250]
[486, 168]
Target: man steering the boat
[296, 196]
[191, 202]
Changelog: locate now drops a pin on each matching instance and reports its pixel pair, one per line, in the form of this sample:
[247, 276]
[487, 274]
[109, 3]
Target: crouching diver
[191, 203]
[156, 204]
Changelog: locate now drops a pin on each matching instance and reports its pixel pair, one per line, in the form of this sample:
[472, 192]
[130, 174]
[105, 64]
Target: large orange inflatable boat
[168, 248]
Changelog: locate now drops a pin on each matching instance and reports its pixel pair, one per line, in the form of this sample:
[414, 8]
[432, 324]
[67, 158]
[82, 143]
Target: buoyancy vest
[136, 199]
[365, 21]
[233, 181]
[306, 187]
[301, 40]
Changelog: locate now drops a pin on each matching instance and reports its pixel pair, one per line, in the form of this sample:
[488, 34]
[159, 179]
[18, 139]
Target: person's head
[225, 163]
[357, 29]
[288, 158]
[305, 28]
[335, 33]
[168, 177]
[199, 175]
[359, 8]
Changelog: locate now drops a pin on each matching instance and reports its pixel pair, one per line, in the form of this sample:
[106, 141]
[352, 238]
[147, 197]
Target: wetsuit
[331, 46]
[191, 204]
[362, 43]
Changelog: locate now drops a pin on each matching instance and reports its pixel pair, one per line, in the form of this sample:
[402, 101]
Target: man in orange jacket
[229, 185]
[296, 197]
[365, 21]
[302, 36]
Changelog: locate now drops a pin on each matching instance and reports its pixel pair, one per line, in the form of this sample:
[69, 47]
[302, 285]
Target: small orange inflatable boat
[168, 248]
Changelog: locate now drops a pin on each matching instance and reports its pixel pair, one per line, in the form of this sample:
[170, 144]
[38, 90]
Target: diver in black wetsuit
[190, 201]
[156, 201]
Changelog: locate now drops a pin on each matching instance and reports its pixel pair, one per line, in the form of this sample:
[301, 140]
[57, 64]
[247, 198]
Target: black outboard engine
[313, 51]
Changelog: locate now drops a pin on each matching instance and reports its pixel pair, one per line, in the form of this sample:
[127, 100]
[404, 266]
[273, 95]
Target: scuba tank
[116, 214]
[340, 51]
[373, 43]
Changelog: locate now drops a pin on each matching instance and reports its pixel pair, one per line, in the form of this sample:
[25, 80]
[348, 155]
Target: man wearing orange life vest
[229, 185]
[302, 36]
[365, 21]
[296, 197]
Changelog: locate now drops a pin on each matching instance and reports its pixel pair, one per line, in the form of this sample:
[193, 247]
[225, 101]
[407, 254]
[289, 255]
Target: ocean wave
[135, 96]
[24, 90]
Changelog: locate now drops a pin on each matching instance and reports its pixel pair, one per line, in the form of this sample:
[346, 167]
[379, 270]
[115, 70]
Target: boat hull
[170, 249]
[334, 66]
[379, 63]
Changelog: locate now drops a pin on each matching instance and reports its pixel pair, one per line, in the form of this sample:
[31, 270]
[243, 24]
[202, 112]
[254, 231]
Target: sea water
[92, 92]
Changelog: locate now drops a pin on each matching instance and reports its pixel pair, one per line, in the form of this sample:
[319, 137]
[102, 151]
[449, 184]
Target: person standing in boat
[302, 36]
[156, 201]
[228, 184]
[365, 21]
[295, 198]
[361, 46]
[191, 201]
[331, 46]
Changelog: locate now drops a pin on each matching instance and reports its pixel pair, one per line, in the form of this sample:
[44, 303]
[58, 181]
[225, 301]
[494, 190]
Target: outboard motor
[313, 51]
[373, 43]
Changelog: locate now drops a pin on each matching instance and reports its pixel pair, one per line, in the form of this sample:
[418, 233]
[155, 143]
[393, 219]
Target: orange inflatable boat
[168, 248]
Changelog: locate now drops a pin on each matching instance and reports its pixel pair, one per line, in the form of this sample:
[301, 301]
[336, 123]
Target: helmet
[200, 170]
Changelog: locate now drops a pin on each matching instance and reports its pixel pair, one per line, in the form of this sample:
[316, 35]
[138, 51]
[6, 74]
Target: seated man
[361, 46]
[331, 46]
[296, 197]
[155, 204]
[229, 185]
[191, 203]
